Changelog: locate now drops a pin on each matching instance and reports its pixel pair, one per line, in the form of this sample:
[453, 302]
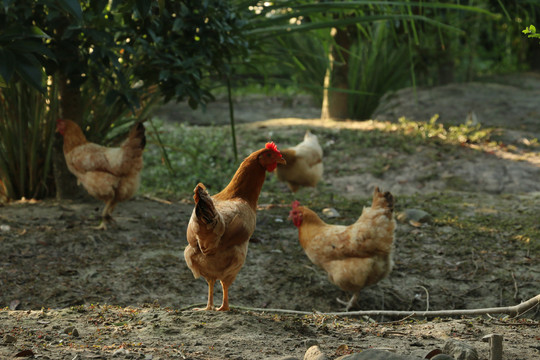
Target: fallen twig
[156, 199]
[395, 321]
[513, 323]
[189, 307]
[514, 311]
[516, 289]
[427, 296]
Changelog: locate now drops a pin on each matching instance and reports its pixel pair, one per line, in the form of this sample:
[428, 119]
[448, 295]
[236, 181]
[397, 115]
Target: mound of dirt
[509, 101]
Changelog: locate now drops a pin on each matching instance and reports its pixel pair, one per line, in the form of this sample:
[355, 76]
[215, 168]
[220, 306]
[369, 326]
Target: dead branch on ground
[514, 311]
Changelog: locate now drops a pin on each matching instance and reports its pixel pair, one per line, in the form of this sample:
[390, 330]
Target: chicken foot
[210, 304]
[350, 303]
[225, 303]
[106, 217]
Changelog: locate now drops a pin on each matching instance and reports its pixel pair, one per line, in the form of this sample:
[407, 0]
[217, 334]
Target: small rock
[426, 354]
[413, 216]
[377, 355]
[330, 213]
[9, 339]
[442, 357]
[13, 304]
[314, 353]
[25, 353]
[5, 228]
[71, 330]
[460, 350]
[311, 342]
[120, 352]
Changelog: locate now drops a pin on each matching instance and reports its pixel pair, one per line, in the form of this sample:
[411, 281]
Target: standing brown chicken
[354, 256]
[110, 174]
[221, 225]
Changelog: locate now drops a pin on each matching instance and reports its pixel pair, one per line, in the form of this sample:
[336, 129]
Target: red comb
[295, 204]
[272, 146]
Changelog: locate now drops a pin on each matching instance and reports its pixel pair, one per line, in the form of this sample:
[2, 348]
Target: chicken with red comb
[220, 226]
[354, 256]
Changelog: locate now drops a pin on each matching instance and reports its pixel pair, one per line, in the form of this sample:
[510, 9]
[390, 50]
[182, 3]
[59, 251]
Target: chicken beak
[281, 161]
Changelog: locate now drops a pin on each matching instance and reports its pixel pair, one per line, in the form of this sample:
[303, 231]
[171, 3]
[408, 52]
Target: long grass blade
[162, 149]
[231, 117]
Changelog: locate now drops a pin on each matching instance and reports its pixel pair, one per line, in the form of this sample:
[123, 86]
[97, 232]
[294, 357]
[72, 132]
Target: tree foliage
[172, 44]
[102, 62]
[99, 62]
[530, 31]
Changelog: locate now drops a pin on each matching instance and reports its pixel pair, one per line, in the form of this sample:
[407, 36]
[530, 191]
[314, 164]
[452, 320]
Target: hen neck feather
[247, 182]
[73, 137]
[310, 227]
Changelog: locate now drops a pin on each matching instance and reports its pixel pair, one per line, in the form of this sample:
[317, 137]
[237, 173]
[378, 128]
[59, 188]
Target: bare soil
[71, 292]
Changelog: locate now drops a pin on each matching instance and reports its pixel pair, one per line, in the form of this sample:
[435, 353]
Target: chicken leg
[350, 303]
[225, 303]
[106, 217]
[210, 304]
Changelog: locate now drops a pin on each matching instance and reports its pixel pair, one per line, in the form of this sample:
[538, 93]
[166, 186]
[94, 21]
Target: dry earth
[69, 292]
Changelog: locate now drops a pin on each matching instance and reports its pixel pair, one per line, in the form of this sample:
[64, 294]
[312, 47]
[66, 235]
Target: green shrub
[376, 65]
[184, 156]
[26, 139]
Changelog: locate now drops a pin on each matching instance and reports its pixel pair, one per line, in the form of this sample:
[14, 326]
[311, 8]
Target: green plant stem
[162, 149]
[231, 116]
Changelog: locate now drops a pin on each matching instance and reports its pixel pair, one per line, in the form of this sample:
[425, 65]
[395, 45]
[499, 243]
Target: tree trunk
[70, 107]
[335, 105]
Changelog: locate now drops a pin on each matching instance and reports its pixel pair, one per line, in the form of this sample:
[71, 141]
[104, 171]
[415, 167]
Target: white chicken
[304, 163]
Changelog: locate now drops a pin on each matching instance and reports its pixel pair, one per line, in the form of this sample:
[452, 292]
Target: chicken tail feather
[137, 137]
[384, 201]
[204, 206]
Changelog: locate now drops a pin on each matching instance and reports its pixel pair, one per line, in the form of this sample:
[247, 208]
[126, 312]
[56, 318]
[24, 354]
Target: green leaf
[143, 6]
[111, 97]
[37, 32]
[530, 30]
[31, 46]
[73, 7]
[11, 34]
[30, 71]
[7, 64]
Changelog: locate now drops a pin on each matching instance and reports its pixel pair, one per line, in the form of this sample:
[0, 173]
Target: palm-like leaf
[26, 138]
[289, 21]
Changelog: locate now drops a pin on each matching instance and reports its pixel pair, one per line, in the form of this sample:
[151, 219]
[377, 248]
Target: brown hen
[354, 256]
[110, 174]
[220, 226]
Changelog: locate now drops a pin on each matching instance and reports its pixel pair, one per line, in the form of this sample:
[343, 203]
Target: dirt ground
[68, 291]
